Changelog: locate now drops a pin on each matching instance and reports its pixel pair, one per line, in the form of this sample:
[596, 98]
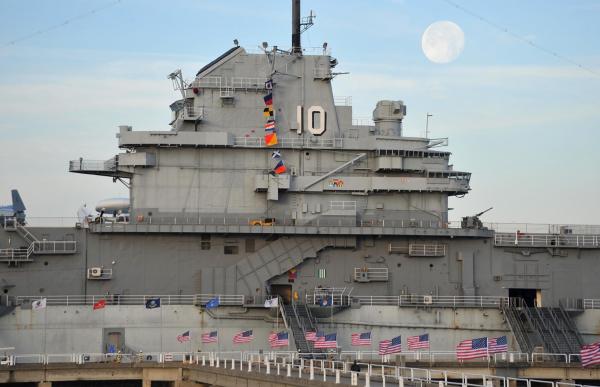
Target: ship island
[266, 220]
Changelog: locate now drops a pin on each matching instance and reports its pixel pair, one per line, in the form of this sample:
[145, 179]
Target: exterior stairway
[16, 256]
[557, 330]
[301, 321]
[550, 328]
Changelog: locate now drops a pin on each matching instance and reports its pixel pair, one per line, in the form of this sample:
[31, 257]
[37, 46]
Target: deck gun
[473, 221]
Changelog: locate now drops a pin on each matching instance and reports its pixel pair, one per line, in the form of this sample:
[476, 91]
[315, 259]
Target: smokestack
[296, 45]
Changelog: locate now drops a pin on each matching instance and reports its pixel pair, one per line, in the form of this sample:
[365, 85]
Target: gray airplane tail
[18, 205]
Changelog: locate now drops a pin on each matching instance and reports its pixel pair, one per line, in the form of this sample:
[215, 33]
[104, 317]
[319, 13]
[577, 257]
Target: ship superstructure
[358, 214]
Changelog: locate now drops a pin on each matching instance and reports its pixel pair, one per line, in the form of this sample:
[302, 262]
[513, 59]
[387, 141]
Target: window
[205, 242]
[231, 250]
[250, 245]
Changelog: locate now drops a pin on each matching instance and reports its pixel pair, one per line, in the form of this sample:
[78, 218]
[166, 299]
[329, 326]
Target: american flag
[361, 338]
[185, 336]
[210, 337]
[327, 341]
[590, 354]
[498, 344]
[280, 339]
[387, 347]
[472, 349]
[418, 342]
[243, 337]
[312, 335]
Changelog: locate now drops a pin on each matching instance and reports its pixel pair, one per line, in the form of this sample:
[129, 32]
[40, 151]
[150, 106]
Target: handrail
[275, 362]
[282, 310]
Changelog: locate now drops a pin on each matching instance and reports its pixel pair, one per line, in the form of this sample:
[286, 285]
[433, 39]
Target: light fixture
[236, 42]
[265, 45]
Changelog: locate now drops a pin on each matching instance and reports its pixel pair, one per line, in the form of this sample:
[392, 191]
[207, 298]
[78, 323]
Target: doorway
[532, 297]
[283, 291]
[114, 340]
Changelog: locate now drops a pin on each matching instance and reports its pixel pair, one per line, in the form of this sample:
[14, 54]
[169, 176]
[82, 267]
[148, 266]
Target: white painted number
[316, 119]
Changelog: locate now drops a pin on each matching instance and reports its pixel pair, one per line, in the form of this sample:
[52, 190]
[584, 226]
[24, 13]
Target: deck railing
[128, 299]
[547, 240]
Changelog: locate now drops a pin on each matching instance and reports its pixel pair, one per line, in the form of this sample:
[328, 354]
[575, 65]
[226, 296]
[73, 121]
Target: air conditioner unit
[427, 300]
[96, 272]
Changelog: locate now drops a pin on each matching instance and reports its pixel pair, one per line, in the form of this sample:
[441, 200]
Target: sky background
[525, 123]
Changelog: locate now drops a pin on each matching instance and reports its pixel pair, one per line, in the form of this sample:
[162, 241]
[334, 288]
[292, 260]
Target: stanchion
[250, 365]
[218, 362]
[268, 368]
[277, 369]
[311, 370]
[367, 380]
[337, 376]
[353, 378]
[324, 375]
[289, 370]
[232, 364]
[400, 381]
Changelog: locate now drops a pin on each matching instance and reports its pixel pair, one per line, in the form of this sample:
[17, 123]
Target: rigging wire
[63, 23]
[522, 38]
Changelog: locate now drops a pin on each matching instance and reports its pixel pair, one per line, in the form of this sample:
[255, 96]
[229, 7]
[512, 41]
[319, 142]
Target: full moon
[443, 41]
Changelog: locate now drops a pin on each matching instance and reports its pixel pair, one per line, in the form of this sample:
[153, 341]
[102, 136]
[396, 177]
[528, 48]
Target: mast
[296, 45]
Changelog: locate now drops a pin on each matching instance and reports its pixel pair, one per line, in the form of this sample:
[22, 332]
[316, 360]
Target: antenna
[307, 21]
[427, 125]
[178, 83]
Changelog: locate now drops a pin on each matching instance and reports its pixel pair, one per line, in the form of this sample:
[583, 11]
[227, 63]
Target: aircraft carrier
[264, 186]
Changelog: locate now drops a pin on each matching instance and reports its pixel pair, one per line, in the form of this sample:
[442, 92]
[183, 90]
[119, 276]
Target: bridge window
[231, 249]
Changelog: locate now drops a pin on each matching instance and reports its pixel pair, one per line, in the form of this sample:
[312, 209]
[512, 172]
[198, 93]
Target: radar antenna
[178, 83]
[307, 21]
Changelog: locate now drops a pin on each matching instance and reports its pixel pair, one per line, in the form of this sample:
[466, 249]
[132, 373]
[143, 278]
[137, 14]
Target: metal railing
[339, 100]
[591, 303]
[128, 299]
[290, 142]
[367, 274]
[290, 366]
[547, 240]
[93, 165]
[54, 247]
[418, 300]
[426, 250]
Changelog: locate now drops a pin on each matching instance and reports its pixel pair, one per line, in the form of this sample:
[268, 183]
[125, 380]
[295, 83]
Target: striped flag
[185, 336]
[387, 347]
[243, 337]
[361, 338]
[210, 337]
[270, 125]
[590, 354]
[280, 339]
[472, 349]
[327, 341]
[313, 335]
[418, 342]
[498, 344]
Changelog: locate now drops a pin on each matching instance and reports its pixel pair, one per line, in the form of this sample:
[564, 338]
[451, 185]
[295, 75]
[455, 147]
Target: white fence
[289, 365]
[413, 300]
[128, 299]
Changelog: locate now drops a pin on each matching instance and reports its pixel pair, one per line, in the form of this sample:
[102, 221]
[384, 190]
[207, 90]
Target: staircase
[550, 328]
[301, 321]
[16, 256]
[557, 330]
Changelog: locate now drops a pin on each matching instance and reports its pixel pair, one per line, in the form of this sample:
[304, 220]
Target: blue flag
[212, 303]
[152, 303]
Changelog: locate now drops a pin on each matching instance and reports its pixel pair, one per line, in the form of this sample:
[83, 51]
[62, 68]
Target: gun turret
[473, 222]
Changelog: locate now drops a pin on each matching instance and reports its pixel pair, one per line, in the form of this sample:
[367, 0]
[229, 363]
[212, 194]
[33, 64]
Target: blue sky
[526, 124]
